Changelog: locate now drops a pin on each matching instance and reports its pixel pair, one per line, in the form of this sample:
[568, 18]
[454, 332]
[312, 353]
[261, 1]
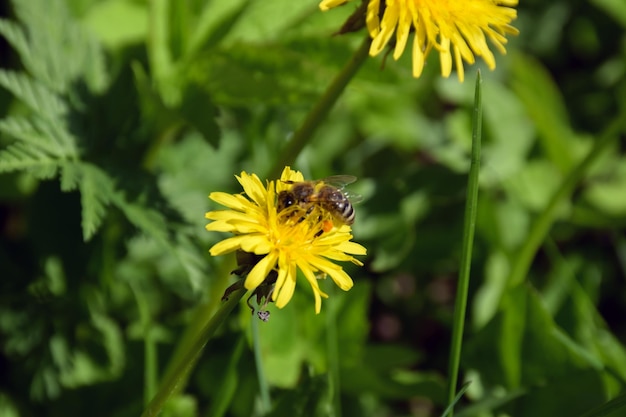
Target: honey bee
[326, 195]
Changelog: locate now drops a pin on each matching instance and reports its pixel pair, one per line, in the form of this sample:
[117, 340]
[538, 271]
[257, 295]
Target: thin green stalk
[172, 382]
[264, 389]
[460, 303]
[332, 350]
[319, 112]
[543, 223]
[149, 345]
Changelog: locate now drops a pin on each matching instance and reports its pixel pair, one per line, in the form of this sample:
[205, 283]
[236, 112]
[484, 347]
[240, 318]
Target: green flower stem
[460, 303]
[264, 389]
[175, 379]
[332, 349]
[202, 314]
[149, 344]
[319, 112]
[543, 223]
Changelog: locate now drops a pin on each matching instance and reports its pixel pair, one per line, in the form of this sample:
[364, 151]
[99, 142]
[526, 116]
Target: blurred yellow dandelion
[285, 243]
[457, 29]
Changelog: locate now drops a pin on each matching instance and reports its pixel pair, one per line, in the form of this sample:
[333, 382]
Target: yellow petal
[309, 274]
[220, 226]
[260, 271]
[235, 202]
[329, 4]
[253, 187]
[352, 248]
[445, 58]
[227, 245]
[337, 273]
[371, 18]
[387, 27]
[257, 244]
[402, 33]
[459, 64]
[283, 292]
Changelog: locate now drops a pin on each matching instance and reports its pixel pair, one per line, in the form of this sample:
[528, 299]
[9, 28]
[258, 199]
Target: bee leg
[306, 214]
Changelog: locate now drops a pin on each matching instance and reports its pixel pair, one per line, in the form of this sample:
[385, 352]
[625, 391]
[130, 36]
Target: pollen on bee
[327, 225]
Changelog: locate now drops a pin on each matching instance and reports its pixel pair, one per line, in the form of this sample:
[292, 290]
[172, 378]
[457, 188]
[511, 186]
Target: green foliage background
[119, 117]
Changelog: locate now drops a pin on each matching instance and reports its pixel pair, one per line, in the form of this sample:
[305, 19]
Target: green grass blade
[608, 408]
[448, 411]
[460, 303]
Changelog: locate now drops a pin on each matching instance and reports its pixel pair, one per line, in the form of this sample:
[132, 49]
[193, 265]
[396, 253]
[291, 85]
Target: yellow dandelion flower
[458, 29]
[286, 241]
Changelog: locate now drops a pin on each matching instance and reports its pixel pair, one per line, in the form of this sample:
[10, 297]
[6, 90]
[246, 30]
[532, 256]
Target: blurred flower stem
[319, 112]
[332, 351]
[176, 379]
[469, 224]
[543, 223]
[264, 389]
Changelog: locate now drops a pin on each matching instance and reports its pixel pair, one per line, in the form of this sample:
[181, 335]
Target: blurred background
[119, 117]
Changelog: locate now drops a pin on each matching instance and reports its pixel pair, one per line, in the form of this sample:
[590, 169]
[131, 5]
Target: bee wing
[353, 197]
[339, 181]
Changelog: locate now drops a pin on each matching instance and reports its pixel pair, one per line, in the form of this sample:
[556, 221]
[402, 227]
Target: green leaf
[456, 399]
[131, 22]
[544, 104]
[608, 193]
[261, 21]
[7, 407]
[613, 8]
[20, 156]
[32, 131]
[34, 94]
[215, 22]
[181, 406]
[15, 36]
[610, 408]
[393, 383]
[96, 191]
[310, 399]
[522, 347]
[229, 379]
[59, 50]
[149, 221]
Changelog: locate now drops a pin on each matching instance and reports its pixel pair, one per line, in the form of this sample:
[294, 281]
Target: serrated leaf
[70, 176]
[96, 190]
[34, 94]
[149, 221]
[14, 34]
[20, 156]
[39, 133]
[59, 50]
